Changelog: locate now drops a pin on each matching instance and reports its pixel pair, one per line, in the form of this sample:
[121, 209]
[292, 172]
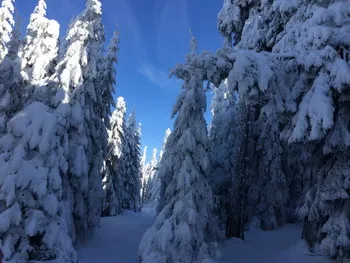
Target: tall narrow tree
[148, 177]
[113, 180]
[183, 229]
[33, 166]
[77, 72]
[157, 180]
[131, 198]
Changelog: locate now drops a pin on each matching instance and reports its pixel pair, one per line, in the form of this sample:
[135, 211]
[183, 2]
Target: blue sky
[154, 38]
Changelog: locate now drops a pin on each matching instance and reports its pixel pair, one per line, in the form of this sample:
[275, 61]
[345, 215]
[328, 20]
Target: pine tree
[77, 73]
[6, 23]
[113, 180]
[131, 197]
[39, 54]
[182, 230]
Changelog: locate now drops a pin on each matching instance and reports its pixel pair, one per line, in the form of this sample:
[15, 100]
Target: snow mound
[282, 245]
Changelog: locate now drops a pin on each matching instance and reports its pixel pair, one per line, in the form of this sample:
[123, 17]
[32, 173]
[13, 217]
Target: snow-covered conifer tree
[167, 133]
[156, 181]
[307, 43]
[35, 220]
[143, 169]
[131, 197]
[149, 176]
[224, 144]
[10, 79]
[108, 78]
[110, 201]
[6, 26]
[182, 230]
[112, 150]
[113, 180]
[320, 116]
[39, 54]
[77, 72]
[144, 158]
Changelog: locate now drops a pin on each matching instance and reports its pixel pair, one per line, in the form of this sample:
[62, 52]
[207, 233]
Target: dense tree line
[65, 159]
[278, 147]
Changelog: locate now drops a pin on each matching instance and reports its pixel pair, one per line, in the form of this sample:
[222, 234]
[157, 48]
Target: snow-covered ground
[117, 239]
[278, 246]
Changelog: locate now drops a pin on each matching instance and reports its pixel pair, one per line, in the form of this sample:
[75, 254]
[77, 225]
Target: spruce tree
[319, 117]
[113, 180]
[10, 80]
[167, 134]
[224, 137]
[182, 231]
[157, 180]
[108, 78]
[35, 220]
[131, 191]
[77, 73]
[149, 177]
[143, 168]
[107, 81]
[307, 43]
[39, 54]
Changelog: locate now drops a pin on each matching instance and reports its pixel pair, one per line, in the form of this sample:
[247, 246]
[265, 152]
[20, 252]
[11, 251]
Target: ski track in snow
[279, 246]
[117, 239]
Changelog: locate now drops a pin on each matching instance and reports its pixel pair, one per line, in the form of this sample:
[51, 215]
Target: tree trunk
[236, 212]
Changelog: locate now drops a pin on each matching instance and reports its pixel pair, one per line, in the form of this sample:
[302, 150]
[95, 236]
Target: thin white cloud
[123, 14]
[172, 22]
[160, 77]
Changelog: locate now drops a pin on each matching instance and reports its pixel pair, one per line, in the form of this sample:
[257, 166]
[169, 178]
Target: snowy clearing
[117, 239]
[282, 245]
